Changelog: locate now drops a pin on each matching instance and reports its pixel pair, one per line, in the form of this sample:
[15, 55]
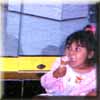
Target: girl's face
[77, 56]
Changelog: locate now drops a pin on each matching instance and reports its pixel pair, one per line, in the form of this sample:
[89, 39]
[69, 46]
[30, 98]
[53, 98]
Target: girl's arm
[48, 81]
[53, 79]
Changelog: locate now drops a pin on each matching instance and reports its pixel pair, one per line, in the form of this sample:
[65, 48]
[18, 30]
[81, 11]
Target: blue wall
[41, 29]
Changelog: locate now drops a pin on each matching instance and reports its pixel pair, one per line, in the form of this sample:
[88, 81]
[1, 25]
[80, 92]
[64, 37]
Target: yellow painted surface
[26, 63]
[9, 64]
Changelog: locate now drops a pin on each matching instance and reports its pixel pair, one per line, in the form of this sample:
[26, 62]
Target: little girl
[73, 74]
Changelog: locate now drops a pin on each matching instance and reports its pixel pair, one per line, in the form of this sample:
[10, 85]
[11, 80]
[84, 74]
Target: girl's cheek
[82, 57]
[66, 52]
[79, 56]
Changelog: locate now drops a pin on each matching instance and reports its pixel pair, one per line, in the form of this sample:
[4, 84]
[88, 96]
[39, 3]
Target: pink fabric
[67, 85]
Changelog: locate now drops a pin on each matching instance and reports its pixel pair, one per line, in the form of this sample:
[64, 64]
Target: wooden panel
[21, 75]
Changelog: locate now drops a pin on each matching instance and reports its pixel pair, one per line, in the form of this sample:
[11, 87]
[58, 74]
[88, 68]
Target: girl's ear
[91, 54]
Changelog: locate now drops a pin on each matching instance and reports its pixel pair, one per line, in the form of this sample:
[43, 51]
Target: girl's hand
[64, 60]
[61, 70]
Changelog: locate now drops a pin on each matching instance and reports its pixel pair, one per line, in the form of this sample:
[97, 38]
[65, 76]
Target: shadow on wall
[62, 47]
[10, 46]
[50, 50]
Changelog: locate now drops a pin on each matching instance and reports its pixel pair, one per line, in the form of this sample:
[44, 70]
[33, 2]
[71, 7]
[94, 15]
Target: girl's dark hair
[87, 26]
[84, 39]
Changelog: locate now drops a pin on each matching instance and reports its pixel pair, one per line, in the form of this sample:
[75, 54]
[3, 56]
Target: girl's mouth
[72, 59]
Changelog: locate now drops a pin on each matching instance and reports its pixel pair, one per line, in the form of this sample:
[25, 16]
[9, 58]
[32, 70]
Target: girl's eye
[77, 49]
[67, 46]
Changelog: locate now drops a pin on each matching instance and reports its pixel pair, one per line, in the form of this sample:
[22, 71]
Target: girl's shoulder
[91, 74]
[94, 69]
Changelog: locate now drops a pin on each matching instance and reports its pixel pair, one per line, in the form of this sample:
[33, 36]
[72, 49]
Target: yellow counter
[25, 63]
